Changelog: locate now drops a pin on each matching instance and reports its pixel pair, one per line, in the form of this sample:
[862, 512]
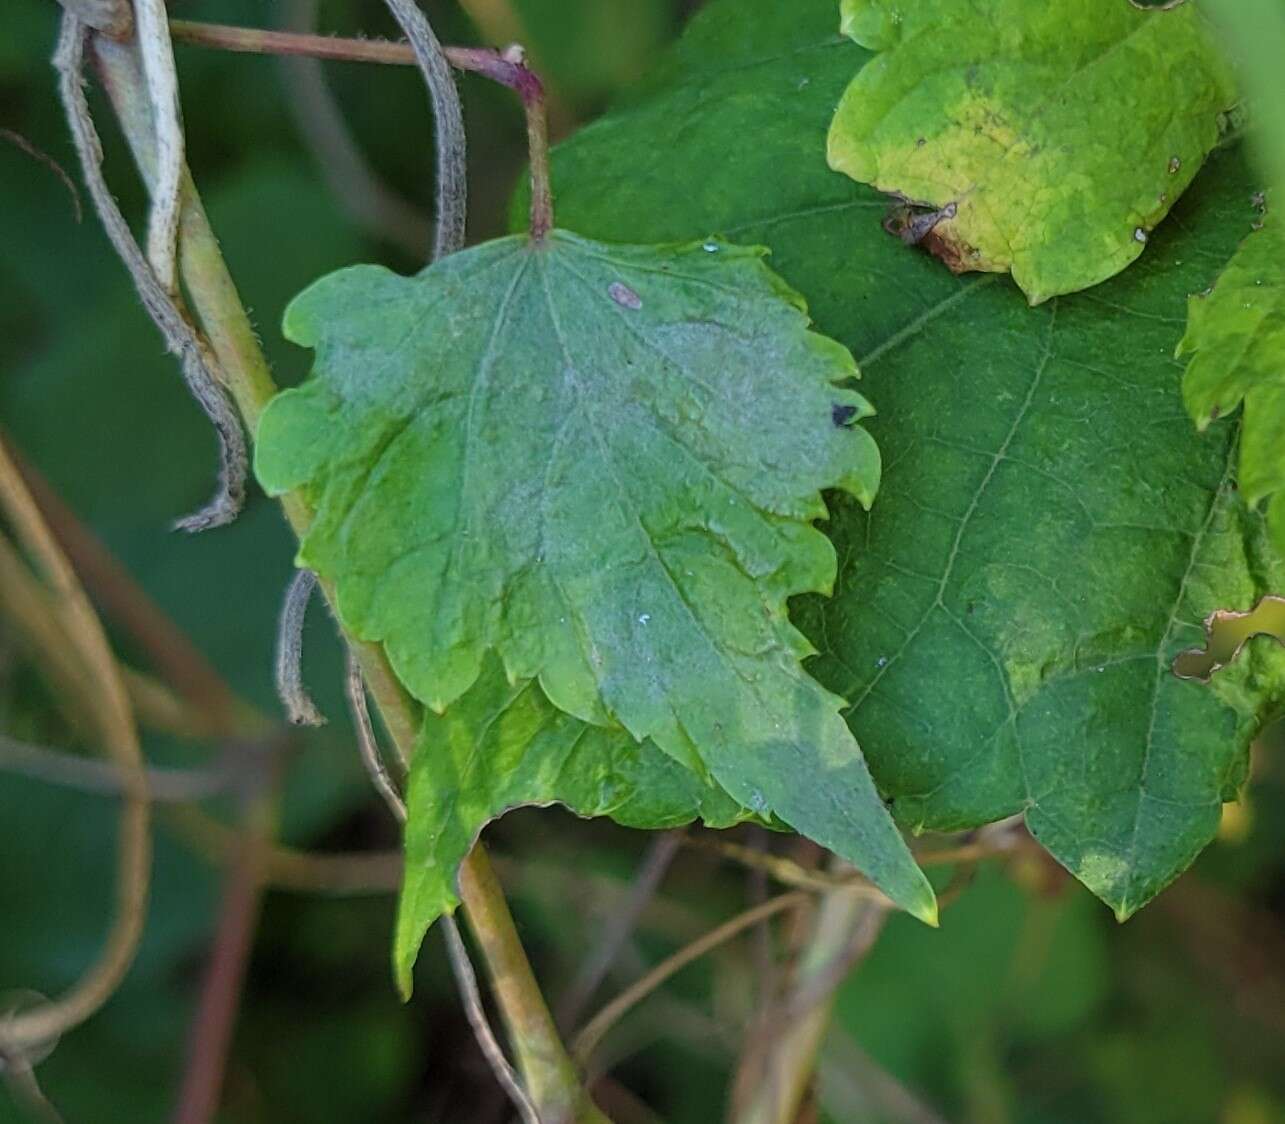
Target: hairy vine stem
[550, 1077]
[162, 89]
[368, 744]
[461, 966]
[466, 979]
[451, 180]
[288, 666]
[113, 18]
[156, 292]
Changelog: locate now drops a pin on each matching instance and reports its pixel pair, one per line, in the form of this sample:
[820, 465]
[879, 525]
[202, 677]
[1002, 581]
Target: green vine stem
[550, 1075]
[547, 1069]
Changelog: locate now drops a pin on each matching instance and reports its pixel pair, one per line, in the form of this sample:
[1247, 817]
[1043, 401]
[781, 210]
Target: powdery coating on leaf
[1064, 131]
[1049, 533]
[502, 746]
[618, 498]
[1236, 340]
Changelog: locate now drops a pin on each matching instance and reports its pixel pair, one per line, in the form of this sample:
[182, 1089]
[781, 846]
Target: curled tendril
[299, 707]
[181, 338]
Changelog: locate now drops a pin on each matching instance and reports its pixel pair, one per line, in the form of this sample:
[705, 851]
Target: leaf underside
[1061, 132]
[1236, 340]
[603, 463]
[1049, 533]
[503, 746]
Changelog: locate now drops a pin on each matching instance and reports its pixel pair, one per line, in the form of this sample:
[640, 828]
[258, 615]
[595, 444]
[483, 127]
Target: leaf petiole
[507, 67]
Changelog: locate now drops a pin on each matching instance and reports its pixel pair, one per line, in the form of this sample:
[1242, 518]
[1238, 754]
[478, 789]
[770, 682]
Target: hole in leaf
[1226, 633]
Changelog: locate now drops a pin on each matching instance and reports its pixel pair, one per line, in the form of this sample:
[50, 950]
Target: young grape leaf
[604, 463]
[502, 746]
[1056, 134]
[1236, 338]
[1050, 531]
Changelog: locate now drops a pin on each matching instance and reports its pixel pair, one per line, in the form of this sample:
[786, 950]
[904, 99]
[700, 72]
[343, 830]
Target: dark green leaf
[1050, 532]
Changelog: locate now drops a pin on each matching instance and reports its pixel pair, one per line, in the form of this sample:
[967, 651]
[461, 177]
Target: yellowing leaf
[1055, 134]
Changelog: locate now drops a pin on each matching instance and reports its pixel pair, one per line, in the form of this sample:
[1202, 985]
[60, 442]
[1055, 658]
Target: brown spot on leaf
[930, 229]
[956, 254]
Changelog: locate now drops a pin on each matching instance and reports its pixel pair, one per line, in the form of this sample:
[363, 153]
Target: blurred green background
[1030, 1005]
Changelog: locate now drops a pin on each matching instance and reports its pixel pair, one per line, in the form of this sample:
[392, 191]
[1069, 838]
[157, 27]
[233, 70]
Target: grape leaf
[603, 462]
[502, 746]
[1050, 532]
[1057, 134]
[1236, 340]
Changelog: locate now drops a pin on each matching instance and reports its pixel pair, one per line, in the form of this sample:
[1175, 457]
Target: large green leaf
[1050, 531]
[604, 463]
[1057, 133]
[1236, 338]
[502, 746]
